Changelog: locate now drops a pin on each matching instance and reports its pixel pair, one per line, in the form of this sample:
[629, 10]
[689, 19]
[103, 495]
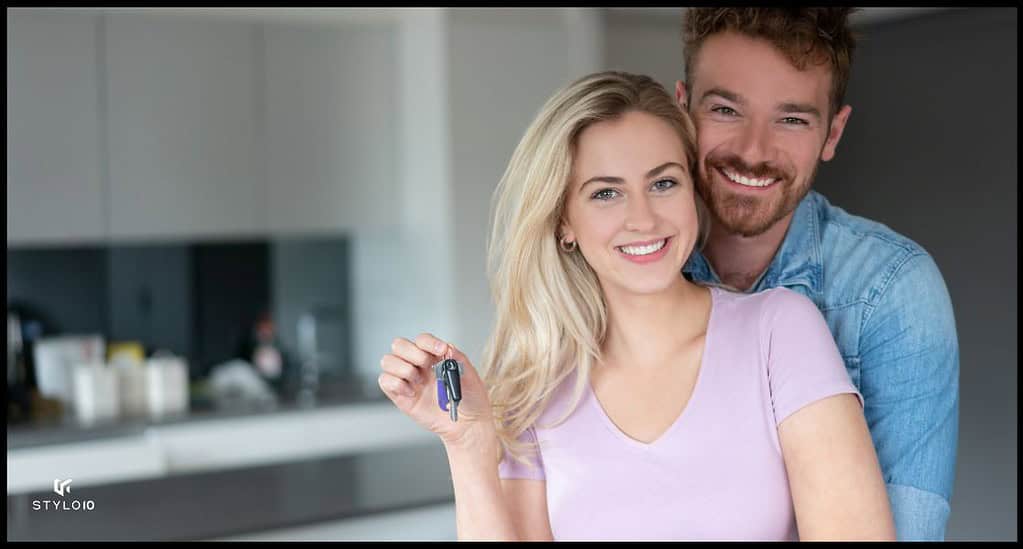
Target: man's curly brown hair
[804, 35]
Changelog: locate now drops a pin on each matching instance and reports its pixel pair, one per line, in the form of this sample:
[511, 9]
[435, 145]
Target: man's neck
[740, 260]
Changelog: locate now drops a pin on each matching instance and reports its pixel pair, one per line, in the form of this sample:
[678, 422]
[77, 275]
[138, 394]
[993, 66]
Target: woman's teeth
[643, 250]
[747, 181]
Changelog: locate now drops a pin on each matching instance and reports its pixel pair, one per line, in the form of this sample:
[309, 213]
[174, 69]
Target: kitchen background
[218, 219]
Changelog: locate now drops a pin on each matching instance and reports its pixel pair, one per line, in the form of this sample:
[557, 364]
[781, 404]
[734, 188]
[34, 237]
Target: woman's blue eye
[664, 184]
[604, 194]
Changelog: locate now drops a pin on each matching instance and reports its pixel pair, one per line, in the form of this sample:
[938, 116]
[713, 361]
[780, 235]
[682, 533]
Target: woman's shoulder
[767, 304]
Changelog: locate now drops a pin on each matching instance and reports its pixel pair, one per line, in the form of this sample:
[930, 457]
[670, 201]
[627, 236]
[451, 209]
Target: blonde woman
[619, 400]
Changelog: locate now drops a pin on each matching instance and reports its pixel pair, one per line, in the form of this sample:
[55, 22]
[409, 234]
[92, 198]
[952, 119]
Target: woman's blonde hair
[551, 317]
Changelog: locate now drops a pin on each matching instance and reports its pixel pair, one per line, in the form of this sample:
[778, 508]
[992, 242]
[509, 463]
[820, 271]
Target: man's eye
[794, 120]
[664, 184]
[727, 111]
[604, 194]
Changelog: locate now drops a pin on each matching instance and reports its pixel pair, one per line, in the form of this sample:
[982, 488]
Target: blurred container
[96, 395]
[55, 357]
[128, 363]
[131, 351]
[166, 386]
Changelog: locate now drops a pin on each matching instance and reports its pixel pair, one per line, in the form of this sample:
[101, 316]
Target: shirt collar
[798, 261]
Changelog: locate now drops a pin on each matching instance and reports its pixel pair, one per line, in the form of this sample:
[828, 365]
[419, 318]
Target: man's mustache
[735, 164]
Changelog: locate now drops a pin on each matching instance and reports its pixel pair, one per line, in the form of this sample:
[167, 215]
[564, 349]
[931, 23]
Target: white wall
[648, 44]
[505, 64]
[470, 82]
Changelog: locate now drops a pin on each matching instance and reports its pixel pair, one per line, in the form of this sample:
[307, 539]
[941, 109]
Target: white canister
[53, 373]
[96, 395]
[166, 386]
[131, 383]
[55, 359]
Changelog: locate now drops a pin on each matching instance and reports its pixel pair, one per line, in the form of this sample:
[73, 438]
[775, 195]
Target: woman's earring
[567, 247]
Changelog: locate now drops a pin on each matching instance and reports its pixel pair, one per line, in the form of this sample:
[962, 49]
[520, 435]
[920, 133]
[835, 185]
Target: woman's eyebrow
[619, 181]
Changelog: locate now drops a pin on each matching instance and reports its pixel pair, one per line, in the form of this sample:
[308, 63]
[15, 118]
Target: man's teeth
[749, 182]
[643, 250]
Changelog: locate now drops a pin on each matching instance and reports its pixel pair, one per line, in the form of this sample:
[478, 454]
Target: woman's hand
[408, 380]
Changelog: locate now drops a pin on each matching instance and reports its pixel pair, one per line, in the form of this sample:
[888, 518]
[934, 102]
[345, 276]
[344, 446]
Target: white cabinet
[138, 126]
[331, 158]
[185, 127]
[428, 523]
[54, 146]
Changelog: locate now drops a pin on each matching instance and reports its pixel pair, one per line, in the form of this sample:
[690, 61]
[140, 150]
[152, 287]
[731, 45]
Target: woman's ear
[565, 232]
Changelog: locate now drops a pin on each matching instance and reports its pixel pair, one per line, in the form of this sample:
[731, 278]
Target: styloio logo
[63, 488]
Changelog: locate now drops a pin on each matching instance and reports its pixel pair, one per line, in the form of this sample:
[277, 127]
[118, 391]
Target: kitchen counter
[338, 423]
[211, 504]
[69, 430]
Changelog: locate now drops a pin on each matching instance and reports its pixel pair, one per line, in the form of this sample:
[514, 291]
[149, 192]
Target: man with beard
[765, 88]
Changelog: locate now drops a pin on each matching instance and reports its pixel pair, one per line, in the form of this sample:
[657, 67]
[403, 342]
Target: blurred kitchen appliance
[19, 403]
[56, 357]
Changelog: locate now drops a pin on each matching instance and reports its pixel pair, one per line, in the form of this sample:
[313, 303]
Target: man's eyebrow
[800, 108]
[788, 107]
[620, 181]
[723, 93]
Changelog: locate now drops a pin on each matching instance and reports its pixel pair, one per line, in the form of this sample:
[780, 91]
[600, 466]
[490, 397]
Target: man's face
[762, 127]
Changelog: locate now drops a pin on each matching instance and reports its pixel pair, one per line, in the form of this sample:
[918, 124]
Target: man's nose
[639, 214]
[754, 143]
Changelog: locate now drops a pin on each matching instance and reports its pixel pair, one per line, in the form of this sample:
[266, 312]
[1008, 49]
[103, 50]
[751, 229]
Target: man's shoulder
[861, 257]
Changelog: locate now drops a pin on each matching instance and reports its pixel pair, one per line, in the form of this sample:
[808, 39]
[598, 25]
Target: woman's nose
[639, 216]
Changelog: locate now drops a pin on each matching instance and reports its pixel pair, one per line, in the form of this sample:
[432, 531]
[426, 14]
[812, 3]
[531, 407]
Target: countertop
[69, 430]
[214, 504]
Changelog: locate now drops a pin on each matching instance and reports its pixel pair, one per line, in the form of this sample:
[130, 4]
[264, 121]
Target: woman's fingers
[411, 353]
[394, 387]
[431, 344]
[440, 348]
[402, 370]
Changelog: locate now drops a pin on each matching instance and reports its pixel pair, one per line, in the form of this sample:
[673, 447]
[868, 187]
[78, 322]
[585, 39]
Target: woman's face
[630, 205]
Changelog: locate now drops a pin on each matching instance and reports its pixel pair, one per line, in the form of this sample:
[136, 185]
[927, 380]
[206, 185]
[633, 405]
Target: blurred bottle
[96, 394]
[19, 402]
[166, 385]
[264, 352]
[127, 359]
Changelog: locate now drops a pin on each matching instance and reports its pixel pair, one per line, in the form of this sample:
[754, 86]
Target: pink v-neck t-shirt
[717, 473]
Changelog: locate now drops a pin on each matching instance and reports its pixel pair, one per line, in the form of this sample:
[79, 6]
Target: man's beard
[747, 214]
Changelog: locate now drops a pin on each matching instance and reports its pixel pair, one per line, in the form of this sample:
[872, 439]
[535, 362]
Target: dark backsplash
[199, 300]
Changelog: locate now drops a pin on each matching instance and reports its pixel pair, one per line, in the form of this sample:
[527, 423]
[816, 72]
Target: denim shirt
[890, 313]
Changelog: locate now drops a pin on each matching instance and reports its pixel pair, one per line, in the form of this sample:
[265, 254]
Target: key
[449, 386]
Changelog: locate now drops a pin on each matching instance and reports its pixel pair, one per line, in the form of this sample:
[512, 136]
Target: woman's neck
[644, 331]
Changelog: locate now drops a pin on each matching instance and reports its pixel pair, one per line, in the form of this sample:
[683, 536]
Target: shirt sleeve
[510, 468]
[803, 361]
[909, 373]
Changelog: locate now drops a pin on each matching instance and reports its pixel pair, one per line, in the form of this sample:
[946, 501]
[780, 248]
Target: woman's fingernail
[439, 347]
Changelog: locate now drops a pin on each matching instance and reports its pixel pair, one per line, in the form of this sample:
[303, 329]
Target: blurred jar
[95, 392]
[166, 385]
[128, 362]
